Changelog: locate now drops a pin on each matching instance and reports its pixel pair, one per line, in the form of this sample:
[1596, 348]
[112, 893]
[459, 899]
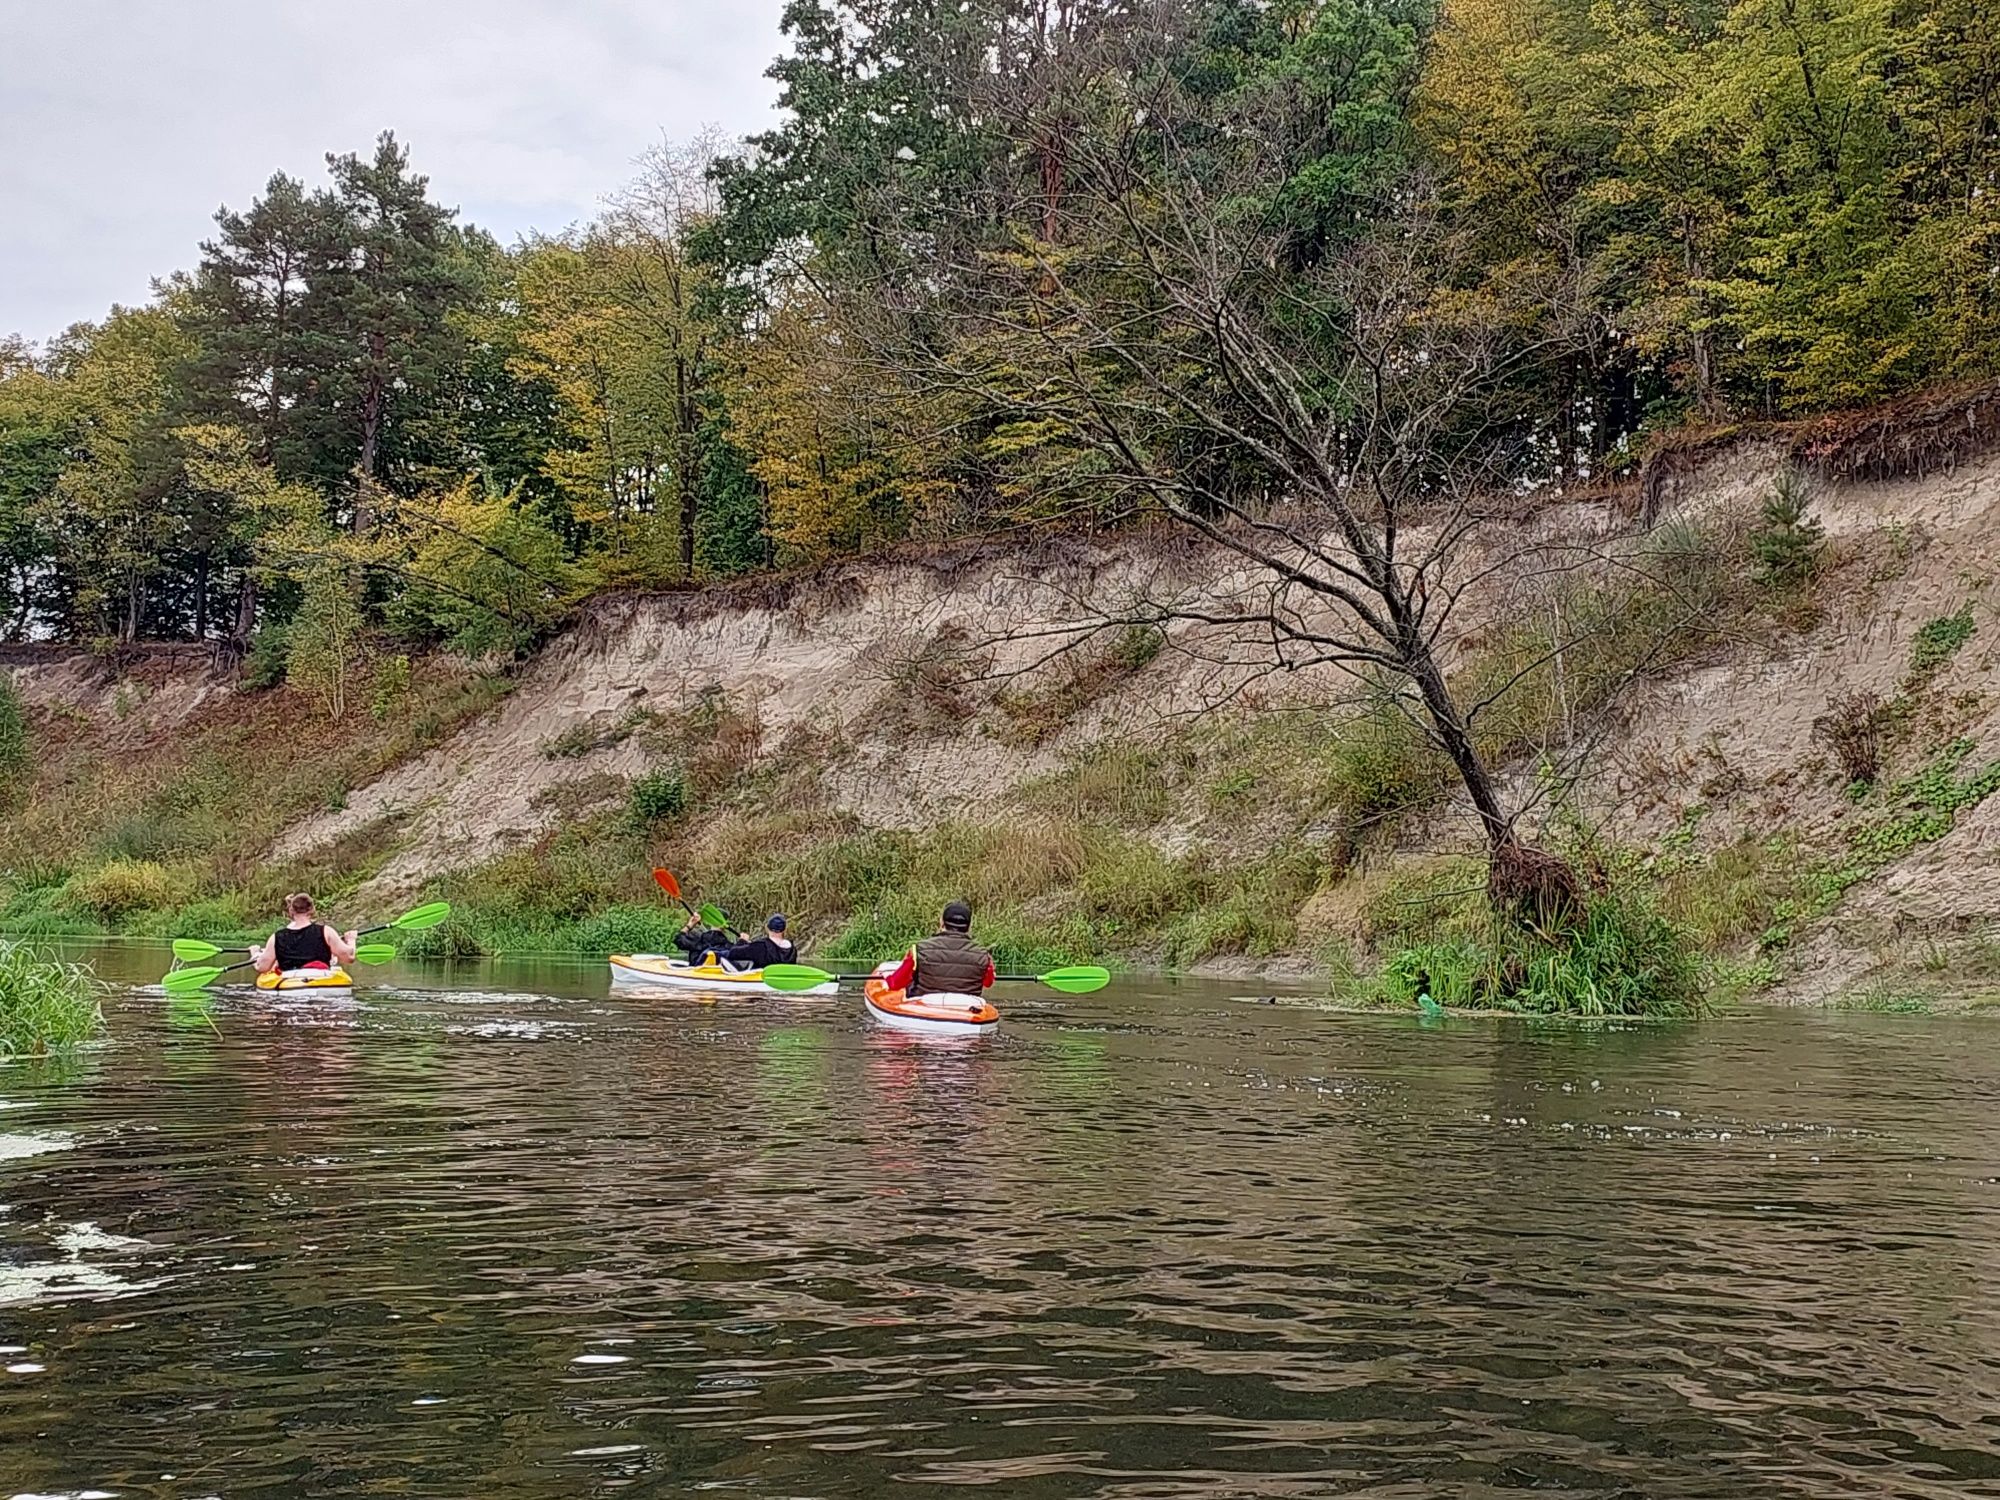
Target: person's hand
[351, 938]
[255, 953]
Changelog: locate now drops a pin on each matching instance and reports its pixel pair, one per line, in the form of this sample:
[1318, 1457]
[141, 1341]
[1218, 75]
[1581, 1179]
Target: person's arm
[748, 955]
[905, 973]
[266, 957]
[342, 944]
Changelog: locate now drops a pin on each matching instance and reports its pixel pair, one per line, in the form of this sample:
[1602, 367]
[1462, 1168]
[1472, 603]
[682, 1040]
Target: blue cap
[777, 922]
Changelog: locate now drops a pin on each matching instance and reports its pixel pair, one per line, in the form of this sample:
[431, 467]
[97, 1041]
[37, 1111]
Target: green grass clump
[123, 887]
[1622, 959]
[1113, 786]
[659, 796]
[45, 1006]
[1939, 640]
[1918, 810]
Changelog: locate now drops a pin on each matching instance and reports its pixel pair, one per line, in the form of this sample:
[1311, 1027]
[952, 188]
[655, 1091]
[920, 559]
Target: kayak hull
[306, 979]
[940, 1015]
[658, 968]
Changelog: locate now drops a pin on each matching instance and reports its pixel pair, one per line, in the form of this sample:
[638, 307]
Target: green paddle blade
[1431, 1009]
[1081, 980]
[423, 917]
[712, 915]
[187, 981]
[796, 977]
[193, 950]
[375, 953]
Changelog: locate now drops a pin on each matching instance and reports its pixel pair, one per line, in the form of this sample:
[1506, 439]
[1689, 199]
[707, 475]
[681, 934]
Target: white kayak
[661, 968]
[956, 1015]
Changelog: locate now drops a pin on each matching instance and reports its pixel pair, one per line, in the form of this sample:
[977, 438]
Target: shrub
[1080, 678]
[125, 886]
[45, 1006]
[659, 796]
[1851, 728]
[1621, 959]
[1939, 640]
[392, 688]
[1117, 786]
[1377, 766]
[1788, 538]
[628, 929]
[269, 655]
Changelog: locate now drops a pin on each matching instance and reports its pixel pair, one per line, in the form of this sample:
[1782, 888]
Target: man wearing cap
[946, 963]
[760, 953]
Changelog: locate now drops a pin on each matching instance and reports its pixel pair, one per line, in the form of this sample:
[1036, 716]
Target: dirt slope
[925, 682]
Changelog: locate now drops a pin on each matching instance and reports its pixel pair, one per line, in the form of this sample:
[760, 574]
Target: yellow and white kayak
[954, 1014]
[306, 979]
[660, 968]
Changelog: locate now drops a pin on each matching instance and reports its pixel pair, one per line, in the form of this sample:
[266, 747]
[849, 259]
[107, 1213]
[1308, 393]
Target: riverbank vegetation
[45, 1006]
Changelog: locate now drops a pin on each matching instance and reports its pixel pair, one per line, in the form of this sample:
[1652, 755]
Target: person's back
[302, 947]
[949, 962]
[760, 953]
[304, 942]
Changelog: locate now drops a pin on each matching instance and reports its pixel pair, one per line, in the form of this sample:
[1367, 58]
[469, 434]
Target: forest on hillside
[1004, 262]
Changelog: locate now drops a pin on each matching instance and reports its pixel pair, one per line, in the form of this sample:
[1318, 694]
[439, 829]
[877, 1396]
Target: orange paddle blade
[666, 882]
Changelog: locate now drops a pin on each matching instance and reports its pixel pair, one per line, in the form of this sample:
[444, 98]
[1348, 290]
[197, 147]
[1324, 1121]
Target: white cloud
[129, 122]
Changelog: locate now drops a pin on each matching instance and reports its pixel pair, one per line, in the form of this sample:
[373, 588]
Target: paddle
[191, 950]
[186, 981]
[1431, 1009]
[708, 916]
[1080, 980]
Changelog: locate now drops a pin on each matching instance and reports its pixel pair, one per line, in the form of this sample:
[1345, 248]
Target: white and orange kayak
[306, 979]
[660, 968]
[957, 1014]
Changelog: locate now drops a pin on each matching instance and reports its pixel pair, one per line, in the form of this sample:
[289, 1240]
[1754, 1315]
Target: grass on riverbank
[172, 838]
[45, 1006]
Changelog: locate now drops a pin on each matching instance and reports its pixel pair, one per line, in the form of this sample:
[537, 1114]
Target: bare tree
[1338, 421]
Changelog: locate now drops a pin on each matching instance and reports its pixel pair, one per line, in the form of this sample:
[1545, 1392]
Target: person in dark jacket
[760, 953]
[946, 963]
[304, 942]
[697, 941]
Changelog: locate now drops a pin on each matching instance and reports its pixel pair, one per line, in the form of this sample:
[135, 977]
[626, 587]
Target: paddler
[946, 963]
[760, 953]
[304, 942]
[697, 941]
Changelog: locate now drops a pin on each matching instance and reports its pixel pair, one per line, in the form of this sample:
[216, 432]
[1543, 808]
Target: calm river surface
[490, 1233]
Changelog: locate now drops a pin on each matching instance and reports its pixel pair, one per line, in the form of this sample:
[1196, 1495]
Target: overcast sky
[127, 123]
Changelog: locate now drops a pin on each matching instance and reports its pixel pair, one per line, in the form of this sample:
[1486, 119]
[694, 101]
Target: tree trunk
[1526, 883]
[372, 404]
[201, 598]
[245, 628]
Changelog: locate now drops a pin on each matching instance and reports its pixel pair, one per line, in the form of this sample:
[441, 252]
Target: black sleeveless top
[299, 946]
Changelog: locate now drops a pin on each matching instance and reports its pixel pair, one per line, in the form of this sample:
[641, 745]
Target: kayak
[957, 1014]
[661, 968]
[306, 979]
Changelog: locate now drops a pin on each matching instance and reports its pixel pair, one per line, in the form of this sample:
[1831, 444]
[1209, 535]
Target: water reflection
[524, 1239]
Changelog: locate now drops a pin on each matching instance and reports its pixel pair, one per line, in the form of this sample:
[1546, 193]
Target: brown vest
[950, 963]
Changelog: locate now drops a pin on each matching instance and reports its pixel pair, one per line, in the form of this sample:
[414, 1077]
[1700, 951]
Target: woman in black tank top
[305, 942]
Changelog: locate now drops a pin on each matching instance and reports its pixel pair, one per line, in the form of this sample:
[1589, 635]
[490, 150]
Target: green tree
[110, 515]
[382, 319]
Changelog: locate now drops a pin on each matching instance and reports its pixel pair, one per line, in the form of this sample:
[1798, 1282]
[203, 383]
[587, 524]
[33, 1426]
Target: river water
[494, 1233]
